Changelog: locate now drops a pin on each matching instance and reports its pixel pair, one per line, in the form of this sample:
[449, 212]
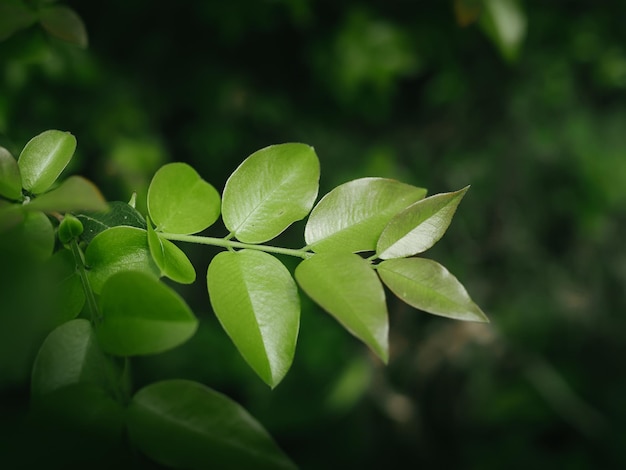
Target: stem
[225, 243]
[82, 273]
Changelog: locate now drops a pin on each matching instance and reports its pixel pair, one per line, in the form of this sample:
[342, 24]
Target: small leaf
[73, 194]
[504, 21]
[118, 213]
[428, 286]
[183, 424]
[69, 229]
[14, 15]
[419, 226]
[170, 259]
[44, 158]
[351, 217]
[273, 188]
[70, 354]
[256, 301]
[64, 23]
[345, 286]
[180, 201]
[10, 178]
[141, 315]
[118, 249]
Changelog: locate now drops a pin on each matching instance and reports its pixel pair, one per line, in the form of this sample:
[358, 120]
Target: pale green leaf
[428, 286]
[256, 301]
[184, 424]
[270, 190]
[419, 226]
[170, 259]
[10, 178]
[352, 216]
[180, 201]
[44, 158]
[63, 23]
[345, 286]
[73, 194]
[141, 315]
[504, 21]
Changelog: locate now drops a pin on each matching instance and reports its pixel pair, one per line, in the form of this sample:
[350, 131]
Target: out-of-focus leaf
[428, 286]
[270, 190]
[419, 226]
[256, 300]
[10, 215]
[351, 217]
[14, 15]
[69, 229]
[180, 201]
[69, 293]
[64, 23]
[31, 231]
[170, 259]
[74, 194]
[10, 178]
[345, 286]
[141, 315]
[44, 158]
[467, 11]
[118, 213]
[504, 21]
[183, 424]
[118, 249]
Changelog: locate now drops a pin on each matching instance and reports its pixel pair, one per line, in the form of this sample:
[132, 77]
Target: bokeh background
[525, 101]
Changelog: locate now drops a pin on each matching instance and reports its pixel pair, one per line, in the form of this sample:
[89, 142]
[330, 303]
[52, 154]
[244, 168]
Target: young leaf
[180, 201]
[141, 315]
[118, 213]
[351, 217]
[44, 158]
[256, 301]
[69, 229]
[184, 424]
[64, 23]
[273, 188]
[118, 249]
[10, 178]
[170, 259]
[419, 226]
[345, 286]
[428, 286]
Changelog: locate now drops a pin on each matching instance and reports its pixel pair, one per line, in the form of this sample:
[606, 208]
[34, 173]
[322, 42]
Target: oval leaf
[256, 301]
[345, 286]
[117, 213]
[63, 23]
[273, 188]
[141, 315]
[73, 194]
[170, 259]
[44, 158]
[10, 178]
[428, 286]
[184, 424]
[118, 249]
[419, 226]
[180, 201]
[352, 216]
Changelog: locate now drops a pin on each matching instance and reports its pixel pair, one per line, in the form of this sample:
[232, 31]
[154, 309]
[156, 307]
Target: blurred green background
[524, 101]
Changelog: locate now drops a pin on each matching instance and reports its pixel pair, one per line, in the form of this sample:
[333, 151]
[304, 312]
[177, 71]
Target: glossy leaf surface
[118, 213]
[183, 424]
[142, 316]
[418, 227]
[64, 23]
[10, 178]
[44, 158]
[428, 286]
[170, 259]
[256, 301]
[180, 201]
[270, 190]
[352, 216]
[118, 249]
[345, 286]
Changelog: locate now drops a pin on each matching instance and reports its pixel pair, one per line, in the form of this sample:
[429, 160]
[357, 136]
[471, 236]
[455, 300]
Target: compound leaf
[170, 259]
[270, 190]
[256, 301]
[10, 178]
[75, 193]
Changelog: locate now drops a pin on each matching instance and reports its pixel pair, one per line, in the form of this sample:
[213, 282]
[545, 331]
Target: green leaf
[14, 15]
[63, 23]
[10, 178]
[345, 286]
[68, 288]
[428, 286]
[11, 215]
[256, 301]
[170, 259]
[44, 158]
[118, 249]
[34, 234]
[71, 354]
[141, 315]
[504, 22]
[273, 188]
[183, 424]
[69, 229]
[180, 201]
[118, 213]
[419, 226]
[351, 217]
[73, 194]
